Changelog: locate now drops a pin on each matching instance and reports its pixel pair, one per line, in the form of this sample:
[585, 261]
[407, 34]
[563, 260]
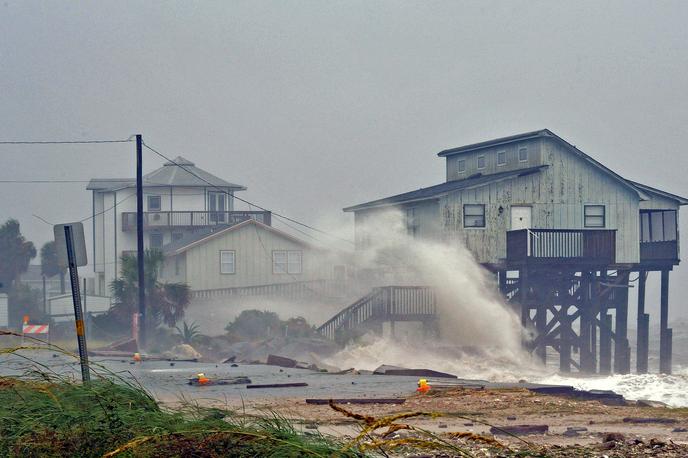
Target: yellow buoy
[423, 386]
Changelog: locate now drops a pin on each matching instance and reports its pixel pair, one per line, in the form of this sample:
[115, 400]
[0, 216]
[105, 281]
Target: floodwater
[169, 382]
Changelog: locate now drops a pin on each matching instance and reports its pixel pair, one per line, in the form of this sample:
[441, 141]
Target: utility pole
[139, 241]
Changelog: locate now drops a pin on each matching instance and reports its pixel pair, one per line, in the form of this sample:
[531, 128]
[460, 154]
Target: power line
[243, 200]
[107, 209]
[61, 142]
[42, 181]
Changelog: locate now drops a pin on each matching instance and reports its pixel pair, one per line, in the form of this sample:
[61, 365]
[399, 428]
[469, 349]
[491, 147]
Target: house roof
[545, 133]
[434, 192]
[199, 237]
[170, 174]
[668, 195]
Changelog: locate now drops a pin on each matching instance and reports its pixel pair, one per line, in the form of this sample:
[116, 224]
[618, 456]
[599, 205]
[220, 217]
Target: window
[474, 215]
[177, 236]
[594, 216]
[523, 154]
[481, 162]
[501, 158]
[154, 203]
[217, 206]
[461, 165]
[287, 262]
[658, 226]
[177, 267]
[227, 264]
[411, 224]
[155, 241]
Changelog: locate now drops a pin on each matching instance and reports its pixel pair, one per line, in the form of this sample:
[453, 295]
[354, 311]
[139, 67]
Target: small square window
[177, 236]
[481, 162]
[523, 154]
[594, 216]
[501, 158]
[474, 215]
[287, 262]
[227, 262]
[461, 165]
[154, 203]
[155, 241]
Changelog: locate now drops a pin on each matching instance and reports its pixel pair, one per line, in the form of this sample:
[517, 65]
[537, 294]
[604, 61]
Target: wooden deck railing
[331, 289]
[387, 303]
[167, 219]
[659, 252]
[591, 246]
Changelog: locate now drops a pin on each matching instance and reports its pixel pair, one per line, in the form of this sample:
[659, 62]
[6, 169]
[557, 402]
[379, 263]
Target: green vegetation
[15, 254]
[55, 417]
[255, 324]
[165, 302]
[50, 265]
[189, 333]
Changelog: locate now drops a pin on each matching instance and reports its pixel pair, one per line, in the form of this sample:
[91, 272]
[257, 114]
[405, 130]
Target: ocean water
[512, 365]
[671, 389]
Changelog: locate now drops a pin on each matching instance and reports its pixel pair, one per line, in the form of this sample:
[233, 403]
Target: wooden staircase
[386, 303]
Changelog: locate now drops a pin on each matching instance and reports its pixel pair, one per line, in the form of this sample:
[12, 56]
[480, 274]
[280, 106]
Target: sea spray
[480, 336]
[670, 389]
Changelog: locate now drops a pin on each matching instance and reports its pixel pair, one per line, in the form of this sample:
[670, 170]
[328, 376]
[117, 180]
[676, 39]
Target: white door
[521, 217]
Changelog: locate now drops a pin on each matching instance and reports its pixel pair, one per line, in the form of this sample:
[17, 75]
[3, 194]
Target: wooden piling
[605, 343]
[587, 362]
[565, 336]
[665, 334]
[541, 327]
[642, 347]
[622, 351]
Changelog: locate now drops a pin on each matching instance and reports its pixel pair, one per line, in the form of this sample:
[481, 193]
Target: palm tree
[50, 265]
[189, 333]
[165, 302]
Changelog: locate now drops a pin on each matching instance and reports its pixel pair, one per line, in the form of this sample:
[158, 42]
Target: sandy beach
[594, 429]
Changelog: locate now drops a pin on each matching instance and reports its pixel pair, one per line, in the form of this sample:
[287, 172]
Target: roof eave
[390, 204]
[495, 142]
[234, 227]
[680, 200]
[497, 178]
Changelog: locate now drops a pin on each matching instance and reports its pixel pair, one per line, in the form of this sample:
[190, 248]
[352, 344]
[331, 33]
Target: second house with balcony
[178, 203]
[562, 232]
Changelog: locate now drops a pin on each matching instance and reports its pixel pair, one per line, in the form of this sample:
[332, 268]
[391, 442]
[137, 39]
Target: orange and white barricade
[34, 329]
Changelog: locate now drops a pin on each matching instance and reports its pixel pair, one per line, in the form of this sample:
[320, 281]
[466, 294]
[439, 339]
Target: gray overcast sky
[318, 105]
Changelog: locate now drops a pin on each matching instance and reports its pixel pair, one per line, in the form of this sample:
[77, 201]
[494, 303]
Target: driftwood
[278, 385]
[666, 421]
[356, 401]
[519, 430]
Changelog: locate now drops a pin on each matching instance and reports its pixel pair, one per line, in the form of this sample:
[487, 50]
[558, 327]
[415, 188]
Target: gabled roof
[170, 174]
[110, 184]
[545, 133]
[434, 192]
[200, 237]
[668, 195]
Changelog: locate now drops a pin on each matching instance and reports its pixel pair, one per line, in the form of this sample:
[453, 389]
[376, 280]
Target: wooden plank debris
[357, 401]
[278, 385]
[519, 430]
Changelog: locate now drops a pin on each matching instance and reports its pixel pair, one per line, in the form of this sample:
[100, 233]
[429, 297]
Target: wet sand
[467, 410]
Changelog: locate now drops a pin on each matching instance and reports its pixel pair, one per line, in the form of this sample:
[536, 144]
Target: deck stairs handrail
[386, 303]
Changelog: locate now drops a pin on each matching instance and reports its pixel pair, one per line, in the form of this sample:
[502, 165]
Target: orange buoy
[202, 379]
[423, 386]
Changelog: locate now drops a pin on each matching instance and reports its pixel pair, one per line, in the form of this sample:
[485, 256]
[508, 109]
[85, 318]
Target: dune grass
[46, 416]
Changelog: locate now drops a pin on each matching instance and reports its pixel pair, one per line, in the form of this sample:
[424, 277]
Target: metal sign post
[76, 298]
